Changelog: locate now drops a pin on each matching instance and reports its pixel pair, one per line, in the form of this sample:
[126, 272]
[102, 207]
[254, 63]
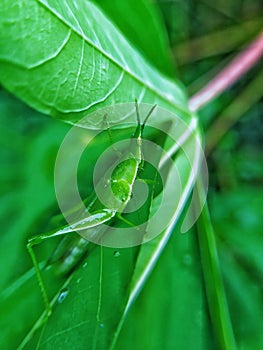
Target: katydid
[119, 192]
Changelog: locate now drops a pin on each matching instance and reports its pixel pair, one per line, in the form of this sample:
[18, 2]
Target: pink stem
[231, 73]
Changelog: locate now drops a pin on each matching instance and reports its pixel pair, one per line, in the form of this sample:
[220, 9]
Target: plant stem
[229, 75]
[214, 284]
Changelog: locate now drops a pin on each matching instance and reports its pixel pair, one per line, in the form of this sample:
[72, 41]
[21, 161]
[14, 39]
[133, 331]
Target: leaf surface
[86, 63]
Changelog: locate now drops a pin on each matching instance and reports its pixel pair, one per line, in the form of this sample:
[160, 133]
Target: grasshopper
[119, 192]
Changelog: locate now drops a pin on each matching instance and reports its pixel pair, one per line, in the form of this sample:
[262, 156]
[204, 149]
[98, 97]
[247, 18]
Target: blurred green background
[202, 37]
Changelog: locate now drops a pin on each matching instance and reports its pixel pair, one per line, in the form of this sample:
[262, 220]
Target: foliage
[48, 52]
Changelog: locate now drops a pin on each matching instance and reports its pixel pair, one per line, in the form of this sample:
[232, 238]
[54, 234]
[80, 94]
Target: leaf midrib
[110, 58]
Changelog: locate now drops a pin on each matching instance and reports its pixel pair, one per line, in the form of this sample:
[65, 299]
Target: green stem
[214, 284]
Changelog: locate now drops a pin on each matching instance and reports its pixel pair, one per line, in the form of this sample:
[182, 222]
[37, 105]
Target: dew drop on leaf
[63, 294]
[187, 260]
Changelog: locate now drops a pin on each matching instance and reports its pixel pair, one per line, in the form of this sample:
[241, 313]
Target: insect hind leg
[40, 280]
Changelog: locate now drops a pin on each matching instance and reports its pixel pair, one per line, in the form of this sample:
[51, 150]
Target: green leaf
[170, 312]
[217, 301]
[68, 59]
[29, 142]
[65, 57]
[98, 290]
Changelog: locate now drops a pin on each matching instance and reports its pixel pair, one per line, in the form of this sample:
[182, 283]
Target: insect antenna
[148, 115]
[137, 112]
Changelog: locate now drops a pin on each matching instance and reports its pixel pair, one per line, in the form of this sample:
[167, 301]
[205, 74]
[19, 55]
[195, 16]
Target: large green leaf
[64, 57]
[67, 59]
[171, 312]
[100, 293]
[29, 142]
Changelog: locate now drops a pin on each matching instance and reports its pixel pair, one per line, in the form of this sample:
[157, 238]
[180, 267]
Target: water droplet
[187, 259]
[101, 325]
[85, 265]
[116, 253]
[106, 183]
[63, 294]
[78, 280]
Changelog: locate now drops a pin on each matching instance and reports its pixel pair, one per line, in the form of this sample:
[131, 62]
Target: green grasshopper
[120, 192]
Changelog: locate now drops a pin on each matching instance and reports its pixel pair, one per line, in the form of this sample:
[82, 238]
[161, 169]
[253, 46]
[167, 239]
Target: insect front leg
[91, 221]
[33, 241]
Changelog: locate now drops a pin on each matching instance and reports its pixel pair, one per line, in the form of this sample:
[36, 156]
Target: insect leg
[40, 279]
[34, 241]
[120, 217]
[88, 222]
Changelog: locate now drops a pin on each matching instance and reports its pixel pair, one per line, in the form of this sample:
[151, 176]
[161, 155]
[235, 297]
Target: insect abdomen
[126, 170]
[121, 190]
[122, 181]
